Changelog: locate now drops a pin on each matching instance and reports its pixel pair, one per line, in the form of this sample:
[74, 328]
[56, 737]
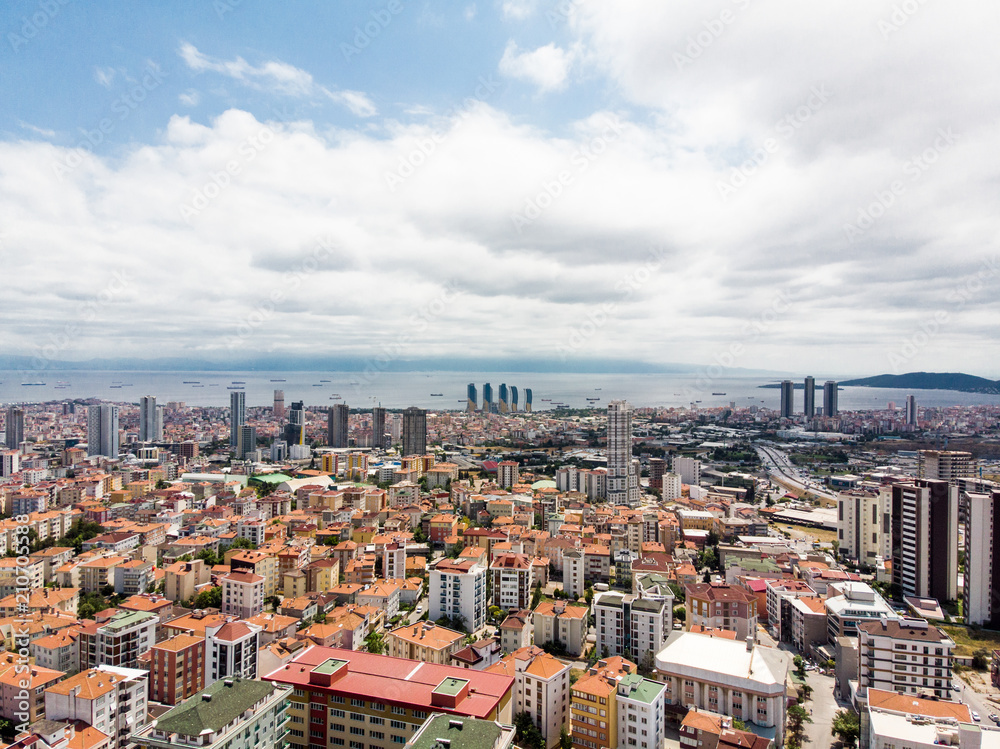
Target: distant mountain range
[964, 383]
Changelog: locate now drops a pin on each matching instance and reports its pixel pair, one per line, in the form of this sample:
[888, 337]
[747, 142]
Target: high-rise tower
[623, 479]
[14, 432]
[378, 427]
[470, 397]
[237, 415]
[150, 420]
[830, 398]
[278, 411]
[414, 431]
[102, 430]
[787, 399]
[809, 398]
[336, 425]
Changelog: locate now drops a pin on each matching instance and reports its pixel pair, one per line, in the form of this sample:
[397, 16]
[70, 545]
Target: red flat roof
[399, 681]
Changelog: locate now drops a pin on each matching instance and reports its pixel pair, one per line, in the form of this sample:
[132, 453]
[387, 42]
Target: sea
[443, 390]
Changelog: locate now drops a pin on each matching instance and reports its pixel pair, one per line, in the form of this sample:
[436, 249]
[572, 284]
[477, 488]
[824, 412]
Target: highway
[781, 469]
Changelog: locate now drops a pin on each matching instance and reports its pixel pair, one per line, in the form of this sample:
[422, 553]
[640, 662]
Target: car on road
[956, 688]
[975, 716]
[420, 609]
[995, 718]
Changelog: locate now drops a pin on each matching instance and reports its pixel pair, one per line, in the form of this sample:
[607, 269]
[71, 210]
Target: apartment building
[924, 539]
[641, 705]
[562, 622]
[850, 605]
[119, 641]
[541, 689]
[981, 604]
[176, 669]
[593, 704]
[112, 700]
[378, 701]
[230, 714]
[231, 651]
[722, 606]
[630, 626]
[242, 594]
[907, 655]
[574, 568]
[511, 576]
[424, 641]
[860, 516]
[458, 590]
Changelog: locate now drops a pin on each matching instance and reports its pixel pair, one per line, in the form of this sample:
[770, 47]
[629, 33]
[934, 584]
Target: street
[823, 707]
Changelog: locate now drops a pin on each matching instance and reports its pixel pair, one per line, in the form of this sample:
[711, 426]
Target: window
[338, 727]
[376, 721]
[358, 716]
[337, 699]
[397, 724]
[357, 745]
[335, 713]
[398, 710]
[419, 714]
[398, 740]
[317, 734]
[378, 706]
[377, 735]
[357, 731]
[337, 741]
[357, 703]
[299, 692]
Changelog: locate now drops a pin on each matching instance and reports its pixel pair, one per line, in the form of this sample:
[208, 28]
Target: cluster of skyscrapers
[830, 390]
[507, 402]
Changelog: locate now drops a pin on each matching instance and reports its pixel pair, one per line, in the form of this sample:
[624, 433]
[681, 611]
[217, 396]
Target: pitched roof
[228, 698]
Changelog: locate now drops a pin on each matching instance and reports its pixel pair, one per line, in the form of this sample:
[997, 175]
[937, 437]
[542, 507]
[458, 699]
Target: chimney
[749, 643]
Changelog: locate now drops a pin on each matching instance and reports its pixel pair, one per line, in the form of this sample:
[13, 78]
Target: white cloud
[356, 101]
[470, 12]
[35, 129]
[547, 67]
[275, 76]
[189, 98]
[519, 10]
[105, 76]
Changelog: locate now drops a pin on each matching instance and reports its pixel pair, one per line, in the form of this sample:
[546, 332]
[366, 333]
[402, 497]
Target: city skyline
[542, 172]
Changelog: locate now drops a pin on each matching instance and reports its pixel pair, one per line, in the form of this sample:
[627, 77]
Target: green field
[967, 642]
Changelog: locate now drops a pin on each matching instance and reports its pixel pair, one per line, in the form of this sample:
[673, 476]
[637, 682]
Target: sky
[766, 185]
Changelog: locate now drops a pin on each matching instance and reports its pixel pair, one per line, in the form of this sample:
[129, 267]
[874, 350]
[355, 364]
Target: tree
[536, 597]
[565, 740]
[680, 613]
[797, 718]
[243, 543]
[375, 643]
[209, 599]
[527, 734]
[846, 727]
[805, 692]
[981, 659]
[161, 484]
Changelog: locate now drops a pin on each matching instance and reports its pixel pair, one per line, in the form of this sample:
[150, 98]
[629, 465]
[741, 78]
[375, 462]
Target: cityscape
[499, 374]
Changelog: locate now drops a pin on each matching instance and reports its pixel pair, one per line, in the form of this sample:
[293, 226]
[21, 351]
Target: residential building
[574, 567]
[102, 430]
[809, 398]
[593, 704]
[911, 411]
[133, 578]
[150, 420]
[14, 428]
[945, 465]
[507, 473]
[906, 655]
[336, 425]
[902, 721]
[230, 714]
[511, 576]
[851, 604]
[722, 606]
[830, 392]
[859, 525]
[441, 730]
[380, 701]
[787, 409]
[689, 469]
[424, 641]
[561, 622]
[623, 476]
[181, 580]
[641, 707]
[242, 594]
[633, 627]
[24, 684]
[516, 631]
[981, 602]
[740, 679]
[458, 590]
[231, 650]
[707, 730]
[112, 700]
[237, 416]
[378, 427]
[541, 689]
[119, 641]
[414, 434]
[924, 539]
[176, 669]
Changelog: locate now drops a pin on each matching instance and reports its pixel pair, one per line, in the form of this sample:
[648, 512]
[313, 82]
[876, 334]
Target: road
[780, 467]
[976, 701]
[823, 706]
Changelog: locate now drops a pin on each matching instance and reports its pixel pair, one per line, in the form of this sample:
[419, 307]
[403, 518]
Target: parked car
[975, 716]
[995, 718]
